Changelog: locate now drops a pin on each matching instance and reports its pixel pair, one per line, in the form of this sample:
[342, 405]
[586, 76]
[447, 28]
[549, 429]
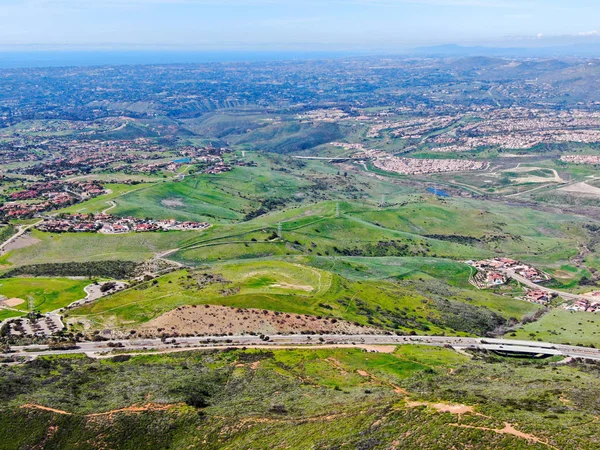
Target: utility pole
[31, 303]
[279, 230]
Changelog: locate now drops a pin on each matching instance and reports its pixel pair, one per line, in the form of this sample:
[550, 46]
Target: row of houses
[584, 305]
[496, 270]
[46, 196]
[108, 224]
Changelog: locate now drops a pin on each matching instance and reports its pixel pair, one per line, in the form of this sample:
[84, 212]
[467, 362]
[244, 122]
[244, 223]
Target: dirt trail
[509, 429]
[137, 409]
[397, 389]
[45, 408]
[129, 409]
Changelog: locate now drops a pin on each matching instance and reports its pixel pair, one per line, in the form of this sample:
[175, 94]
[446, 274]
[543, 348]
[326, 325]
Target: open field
[401, 268]
[214, 198]
[561, 326]
[48, 294]
[69, 247]
[301, 398]
[101, 203]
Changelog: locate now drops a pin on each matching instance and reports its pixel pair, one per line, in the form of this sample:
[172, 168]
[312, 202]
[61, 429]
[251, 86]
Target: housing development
[362, 252]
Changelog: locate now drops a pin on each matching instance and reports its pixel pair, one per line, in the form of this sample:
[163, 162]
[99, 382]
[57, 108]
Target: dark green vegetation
[103, 269]
[317, 398]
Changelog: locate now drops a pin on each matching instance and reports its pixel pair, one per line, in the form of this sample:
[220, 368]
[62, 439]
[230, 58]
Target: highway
[100, 349]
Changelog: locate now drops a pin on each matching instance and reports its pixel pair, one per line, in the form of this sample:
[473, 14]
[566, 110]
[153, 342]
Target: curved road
[566, 295]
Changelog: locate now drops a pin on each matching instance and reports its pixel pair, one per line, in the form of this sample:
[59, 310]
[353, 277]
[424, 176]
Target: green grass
[563, 327]
[401, 268]
[48, 294]
[101, 203]
[79, 247]
[7, 314]
[216, 198]
[295, 288]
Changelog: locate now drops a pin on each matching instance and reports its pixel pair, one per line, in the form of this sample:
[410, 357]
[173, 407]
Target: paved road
[96, 349]
[566, 295]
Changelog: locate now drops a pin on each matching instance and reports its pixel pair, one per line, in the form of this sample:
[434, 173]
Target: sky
[292, 24]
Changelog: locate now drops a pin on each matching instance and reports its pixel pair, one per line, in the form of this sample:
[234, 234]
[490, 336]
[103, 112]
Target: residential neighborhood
[108, 224]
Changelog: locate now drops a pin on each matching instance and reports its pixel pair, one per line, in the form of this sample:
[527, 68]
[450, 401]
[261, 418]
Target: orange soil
[508, 429]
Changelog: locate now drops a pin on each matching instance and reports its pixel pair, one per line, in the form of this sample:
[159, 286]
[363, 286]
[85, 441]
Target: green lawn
[48, 294]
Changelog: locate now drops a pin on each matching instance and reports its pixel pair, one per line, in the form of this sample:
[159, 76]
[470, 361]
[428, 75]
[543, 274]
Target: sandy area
[172, 203]
[582, 188]
[12, 302]
[212, 319]
[444, 407]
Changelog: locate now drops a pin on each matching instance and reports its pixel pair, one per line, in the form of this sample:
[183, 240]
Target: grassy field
[401, 268]
[216, 198]
[101, 203]
[67, 247]
[289, 287]
[48, 294]
[298, 398]
[564, 327]
[7, 314]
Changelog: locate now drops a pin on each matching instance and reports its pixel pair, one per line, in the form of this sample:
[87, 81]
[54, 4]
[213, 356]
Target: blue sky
[293, 24]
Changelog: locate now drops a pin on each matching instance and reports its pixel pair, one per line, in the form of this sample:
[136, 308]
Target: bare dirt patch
[12, 302]
[22, 241]
[214, 319]
[582, 188]
[444, 407]
[172, 203]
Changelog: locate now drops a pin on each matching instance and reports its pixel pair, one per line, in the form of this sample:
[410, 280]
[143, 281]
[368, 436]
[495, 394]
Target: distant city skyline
[359, 25]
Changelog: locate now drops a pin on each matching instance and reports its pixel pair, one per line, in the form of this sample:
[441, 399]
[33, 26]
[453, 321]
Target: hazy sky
[281, 24]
